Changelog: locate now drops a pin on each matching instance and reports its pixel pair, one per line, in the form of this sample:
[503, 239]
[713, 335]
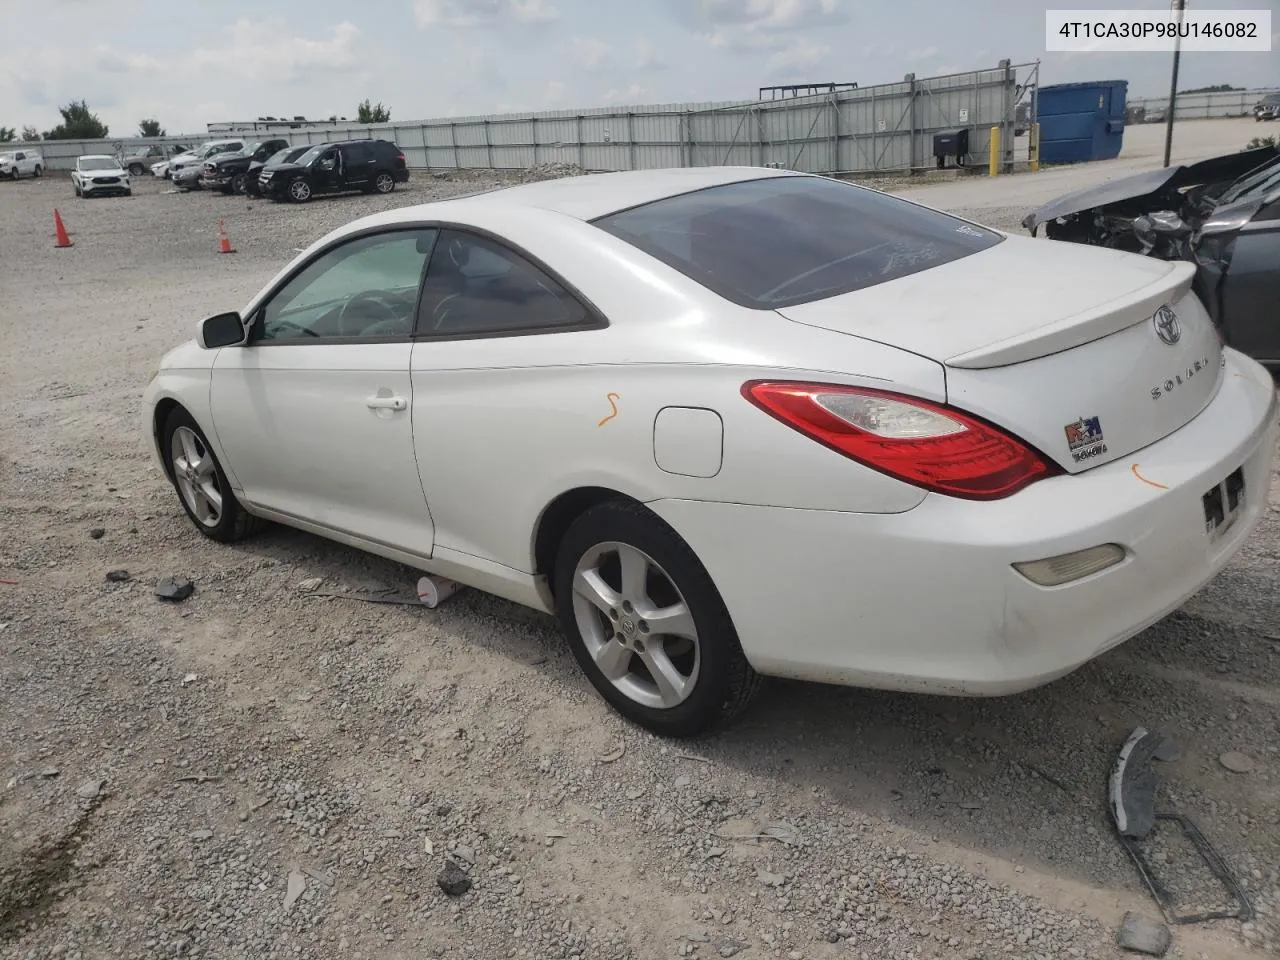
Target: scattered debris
[190, 678]
[48, 772]
[1237, 762]
[296, 886]
[453, 880]
[310, 584]
[969, 805]
[682, 781]
[1143, 936]
[433, 590]
[781, 831]
[728, 947]
[770, 879]
[199, 777]
[118, 576]
[428, 846]
[90, 789]
[614, 754]
[692, 756]
[1050, 779]
[174, 589]
[1132, 795]
[97, 533]
[319, 876]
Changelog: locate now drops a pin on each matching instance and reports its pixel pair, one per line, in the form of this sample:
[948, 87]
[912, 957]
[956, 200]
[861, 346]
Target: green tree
[150, 128]
[8, 134]
[77, 124]
[367, 113]
[30, 134]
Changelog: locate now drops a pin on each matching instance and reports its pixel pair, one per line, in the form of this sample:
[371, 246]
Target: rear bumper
[928, 601]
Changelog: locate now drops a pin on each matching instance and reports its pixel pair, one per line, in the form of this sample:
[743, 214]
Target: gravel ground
[262, 771]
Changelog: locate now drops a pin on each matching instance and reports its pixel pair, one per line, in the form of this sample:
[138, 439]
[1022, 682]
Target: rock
[453, 880]
[174, 589]
[296, 886]
[97, 533]
[1143, 936]
[118, 576]
[770, 879]
[201, 834]
[1237, 762]
[49, 772]
[90, 789]
[728, 947]
[311, 583]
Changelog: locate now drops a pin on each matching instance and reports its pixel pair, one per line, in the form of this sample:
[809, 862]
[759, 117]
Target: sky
[191, 63]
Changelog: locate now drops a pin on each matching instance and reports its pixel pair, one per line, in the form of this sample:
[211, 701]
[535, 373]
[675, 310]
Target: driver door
[314, 411]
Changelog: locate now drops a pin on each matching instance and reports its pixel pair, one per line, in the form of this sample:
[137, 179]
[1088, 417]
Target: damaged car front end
[1222, 214]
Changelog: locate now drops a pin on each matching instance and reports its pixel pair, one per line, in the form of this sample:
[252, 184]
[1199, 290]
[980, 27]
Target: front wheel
[237, 184]
[299, 191]
[135, 169]
[38, 172]
[201, 484]
[647, 625]
[384, 183]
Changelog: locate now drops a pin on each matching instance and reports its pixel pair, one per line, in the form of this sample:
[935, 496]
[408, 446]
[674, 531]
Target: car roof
[593, 195]
[95, 156]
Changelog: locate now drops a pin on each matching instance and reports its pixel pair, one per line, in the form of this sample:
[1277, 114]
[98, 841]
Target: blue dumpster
[1080, 122]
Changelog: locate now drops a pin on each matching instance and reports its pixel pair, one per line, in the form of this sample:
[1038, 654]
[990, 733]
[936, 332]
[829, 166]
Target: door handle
[387, 403]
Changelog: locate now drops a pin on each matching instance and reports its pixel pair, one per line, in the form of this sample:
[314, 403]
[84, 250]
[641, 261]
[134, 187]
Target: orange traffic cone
[224, 242]
[60, 231]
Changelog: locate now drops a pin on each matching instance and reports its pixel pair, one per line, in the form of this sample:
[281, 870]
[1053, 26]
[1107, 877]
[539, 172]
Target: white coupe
[736, 422]
[99, 173]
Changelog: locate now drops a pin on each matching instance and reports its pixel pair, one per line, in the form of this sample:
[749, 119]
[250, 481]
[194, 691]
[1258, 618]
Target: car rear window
[778, 241]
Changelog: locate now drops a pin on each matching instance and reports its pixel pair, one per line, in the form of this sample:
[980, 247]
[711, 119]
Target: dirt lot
[263, 772]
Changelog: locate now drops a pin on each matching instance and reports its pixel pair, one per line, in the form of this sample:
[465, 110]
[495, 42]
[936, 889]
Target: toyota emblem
[1168, 327]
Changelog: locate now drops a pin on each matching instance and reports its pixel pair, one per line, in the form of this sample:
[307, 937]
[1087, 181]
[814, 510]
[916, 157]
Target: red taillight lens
[927, 444]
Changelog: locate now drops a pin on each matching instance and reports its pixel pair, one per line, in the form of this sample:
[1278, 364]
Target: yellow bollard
[1033, 149]
[993, 158]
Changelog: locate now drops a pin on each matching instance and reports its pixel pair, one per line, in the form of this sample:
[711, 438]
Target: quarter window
[364, 289]
[476, 286]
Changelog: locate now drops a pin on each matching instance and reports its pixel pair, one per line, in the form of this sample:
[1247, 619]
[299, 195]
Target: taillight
[927, 444]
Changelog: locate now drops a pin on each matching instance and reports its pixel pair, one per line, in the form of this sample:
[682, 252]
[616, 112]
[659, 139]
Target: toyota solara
[728, 423]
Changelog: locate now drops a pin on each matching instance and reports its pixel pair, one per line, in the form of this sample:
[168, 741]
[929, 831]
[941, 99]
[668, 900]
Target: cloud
[632, 94]
[590, 53]
[476, 13]
[921, 53]
[646, 57]
[797, 57]
[764, 14]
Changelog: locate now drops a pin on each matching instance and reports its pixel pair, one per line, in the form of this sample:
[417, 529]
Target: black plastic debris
[118, 576]
[97, 533]
[174, 589]
[453, 880]
[1133, 809]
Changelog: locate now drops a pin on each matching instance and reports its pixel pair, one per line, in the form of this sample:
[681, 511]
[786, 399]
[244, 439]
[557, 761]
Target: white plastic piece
[433, 591]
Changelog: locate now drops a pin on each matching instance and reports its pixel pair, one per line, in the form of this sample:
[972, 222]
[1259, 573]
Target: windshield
[6, 156]
[779, 241]
[1254, 185]
[96, 163]
[282, 156]
[311, 154]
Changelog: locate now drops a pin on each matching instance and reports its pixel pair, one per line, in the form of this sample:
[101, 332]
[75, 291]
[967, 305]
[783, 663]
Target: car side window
[354, 153]
[19, 156]
[366, 288]
[477, 287]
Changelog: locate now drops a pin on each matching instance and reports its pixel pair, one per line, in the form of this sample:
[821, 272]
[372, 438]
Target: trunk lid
[1069, 347]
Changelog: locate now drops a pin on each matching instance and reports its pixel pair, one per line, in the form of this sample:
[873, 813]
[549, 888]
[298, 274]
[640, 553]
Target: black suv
[252, 179]
[227, 171]
[340, 167]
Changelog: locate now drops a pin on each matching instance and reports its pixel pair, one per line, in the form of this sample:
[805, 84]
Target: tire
[299, 191]
[78, 193]
[128, 193]
[233, 522]
[38, 172]
[13, 174]
[237, 184]
[384, 182]
[135, 170]
[718, 681]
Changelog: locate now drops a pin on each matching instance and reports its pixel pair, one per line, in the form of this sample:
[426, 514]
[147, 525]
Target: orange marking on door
[611, 397]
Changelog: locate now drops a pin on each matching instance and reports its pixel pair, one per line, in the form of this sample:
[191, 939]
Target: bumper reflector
[1055, 571]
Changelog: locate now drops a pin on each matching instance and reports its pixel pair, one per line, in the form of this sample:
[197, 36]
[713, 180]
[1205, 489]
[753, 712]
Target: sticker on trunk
[1084, 439]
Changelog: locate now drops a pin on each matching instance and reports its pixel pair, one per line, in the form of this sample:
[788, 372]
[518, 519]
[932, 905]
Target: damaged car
[1222, 214]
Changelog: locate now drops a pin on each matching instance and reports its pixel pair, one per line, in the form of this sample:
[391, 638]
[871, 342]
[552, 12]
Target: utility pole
[1180, 6]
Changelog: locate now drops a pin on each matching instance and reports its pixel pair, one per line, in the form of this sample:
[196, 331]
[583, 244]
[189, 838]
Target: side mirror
[222, 330]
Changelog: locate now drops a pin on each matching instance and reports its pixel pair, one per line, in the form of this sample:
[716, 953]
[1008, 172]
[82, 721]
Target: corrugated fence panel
[884, 127]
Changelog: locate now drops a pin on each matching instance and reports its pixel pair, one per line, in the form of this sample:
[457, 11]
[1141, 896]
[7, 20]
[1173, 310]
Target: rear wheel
[384, 183]
[646, 623]
[201, 484]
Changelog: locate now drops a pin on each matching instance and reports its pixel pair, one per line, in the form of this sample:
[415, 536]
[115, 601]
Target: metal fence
[884, 128]
[1199, 106]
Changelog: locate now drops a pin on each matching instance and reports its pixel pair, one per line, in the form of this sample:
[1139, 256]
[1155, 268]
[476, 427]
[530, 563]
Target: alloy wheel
[384, 183]
[636, 625]
[300, 190]
[196, 476]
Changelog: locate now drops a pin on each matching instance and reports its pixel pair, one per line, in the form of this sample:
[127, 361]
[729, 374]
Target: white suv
[21, 163]
[184, 170]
